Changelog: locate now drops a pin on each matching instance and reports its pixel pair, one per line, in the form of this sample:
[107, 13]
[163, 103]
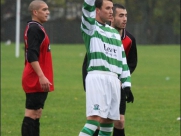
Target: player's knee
[34, 114]
[39, 113]
[96, 118]
[31, 113]
[106, 121]
[119, 124]
[122, 121]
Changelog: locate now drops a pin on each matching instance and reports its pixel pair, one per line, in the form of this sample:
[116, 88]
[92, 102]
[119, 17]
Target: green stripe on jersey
[105, 39]
[90, 20]
[127, 79]
[103, 44]
[88, 7]
[100, 55]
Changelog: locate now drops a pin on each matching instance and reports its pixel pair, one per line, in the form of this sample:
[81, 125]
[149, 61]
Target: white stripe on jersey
[98, 62]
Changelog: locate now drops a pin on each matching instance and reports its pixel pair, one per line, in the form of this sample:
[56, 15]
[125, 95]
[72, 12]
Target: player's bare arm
[44, 82]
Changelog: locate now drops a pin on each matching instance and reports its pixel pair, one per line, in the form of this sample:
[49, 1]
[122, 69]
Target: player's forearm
[89, 15]
[132, 58]
[125, 76]
[89, 10]
[125, 81]
[90, 2]
[132, 66]
[35, 65]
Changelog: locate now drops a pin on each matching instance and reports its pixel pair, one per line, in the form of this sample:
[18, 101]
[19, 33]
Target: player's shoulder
[129, 35]
[34, 26]
[112, 29]
[109, 26]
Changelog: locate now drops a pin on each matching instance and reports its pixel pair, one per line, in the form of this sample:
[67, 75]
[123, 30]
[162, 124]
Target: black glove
[129, 95]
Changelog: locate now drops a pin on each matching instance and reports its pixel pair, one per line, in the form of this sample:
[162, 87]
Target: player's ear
[97, 10]
[34, 12]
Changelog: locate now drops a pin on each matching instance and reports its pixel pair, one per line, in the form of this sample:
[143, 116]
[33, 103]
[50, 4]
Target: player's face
[104, 14]
[120, 19]
[42, 13]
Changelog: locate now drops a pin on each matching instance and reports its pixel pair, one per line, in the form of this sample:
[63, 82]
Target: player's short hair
[115, 6]
[98, 3]
[35, 5]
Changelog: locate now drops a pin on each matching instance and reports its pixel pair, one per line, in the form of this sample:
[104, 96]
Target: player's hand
[45, 84]
[129, 95]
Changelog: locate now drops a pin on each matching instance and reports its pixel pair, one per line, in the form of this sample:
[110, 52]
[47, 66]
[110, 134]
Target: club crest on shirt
[96, 107]
[48, 48]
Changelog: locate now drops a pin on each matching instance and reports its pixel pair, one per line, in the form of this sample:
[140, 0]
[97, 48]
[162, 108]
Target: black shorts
[35, 100]
[122, 107]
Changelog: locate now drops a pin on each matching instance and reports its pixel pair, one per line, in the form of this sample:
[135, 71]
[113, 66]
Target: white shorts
[102, 94]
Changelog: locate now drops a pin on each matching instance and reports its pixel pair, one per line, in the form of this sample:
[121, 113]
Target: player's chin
[109, 20]
[123, 27]
[45, 20]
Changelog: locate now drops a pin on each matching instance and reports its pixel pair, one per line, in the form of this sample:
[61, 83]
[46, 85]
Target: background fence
[150, 21]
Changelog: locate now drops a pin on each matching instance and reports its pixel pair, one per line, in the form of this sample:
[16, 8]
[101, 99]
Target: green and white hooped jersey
[105, 51]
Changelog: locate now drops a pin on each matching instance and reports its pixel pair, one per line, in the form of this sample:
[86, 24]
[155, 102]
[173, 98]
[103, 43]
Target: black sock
[118, 132]
[96, 132]
[37, 127]
[28, 127]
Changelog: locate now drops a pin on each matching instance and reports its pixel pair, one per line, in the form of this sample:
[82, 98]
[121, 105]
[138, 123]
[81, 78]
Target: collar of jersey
[100, 24]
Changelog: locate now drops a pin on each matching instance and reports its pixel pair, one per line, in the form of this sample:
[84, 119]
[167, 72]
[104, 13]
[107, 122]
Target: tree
[154, 18]
[151, 21]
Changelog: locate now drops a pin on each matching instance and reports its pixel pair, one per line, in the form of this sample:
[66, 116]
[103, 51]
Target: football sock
[118, 132]
[37, 127]
[28, 127]
[96, 132]
[89, 128]
[105, 129]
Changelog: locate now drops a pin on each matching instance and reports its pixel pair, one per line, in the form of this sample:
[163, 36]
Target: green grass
[153, 113]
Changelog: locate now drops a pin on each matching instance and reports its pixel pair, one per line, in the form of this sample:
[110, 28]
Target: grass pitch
[155, 84]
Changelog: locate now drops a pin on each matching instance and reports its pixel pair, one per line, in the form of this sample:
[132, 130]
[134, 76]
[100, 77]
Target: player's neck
[120, 31]
[98, 19]
[37, 20]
